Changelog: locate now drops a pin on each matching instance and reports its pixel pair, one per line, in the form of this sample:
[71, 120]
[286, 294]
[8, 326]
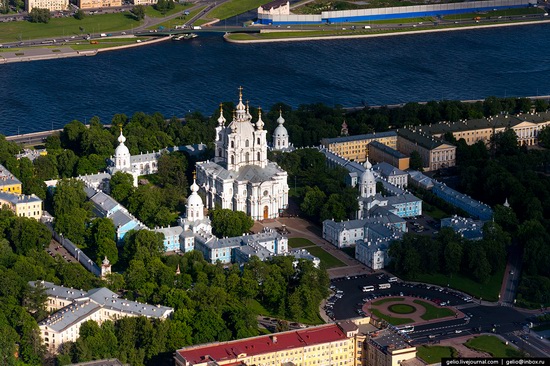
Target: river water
[176, 77]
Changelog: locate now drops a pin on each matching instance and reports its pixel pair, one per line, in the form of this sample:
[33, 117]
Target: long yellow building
[349, 343]
[356, 147]
[526, 126]
[22, 205]
[97, 4]
[51, 5]
[8, 182]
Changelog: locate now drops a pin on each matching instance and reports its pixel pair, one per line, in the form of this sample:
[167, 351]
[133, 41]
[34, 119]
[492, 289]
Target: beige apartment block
[51, 5]
[74, 307]
[96, 4]
[527, 126]
[435, 153]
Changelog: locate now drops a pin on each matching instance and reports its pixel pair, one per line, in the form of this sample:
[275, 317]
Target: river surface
[174, 78]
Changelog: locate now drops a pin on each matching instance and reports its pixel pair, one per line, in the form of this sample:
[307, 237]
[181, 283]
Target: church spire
[221, 119]
[260, 123]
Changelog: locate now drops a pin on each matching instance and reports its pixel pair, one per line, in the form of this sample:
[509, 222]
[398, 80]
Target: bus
[368, 288]
[406, 329]
[384, 286]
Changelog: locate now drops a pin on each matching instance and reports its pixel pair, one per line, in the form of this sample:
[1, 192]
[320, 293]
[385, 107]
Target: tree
[171, 170]
[138, 11]
[313, 201]
[38, 15]
[164, 5]
[453, 257]
[416, 161]
[333, 209]
[544, 136]
[79, 14]
[228, 223]
[122, 186]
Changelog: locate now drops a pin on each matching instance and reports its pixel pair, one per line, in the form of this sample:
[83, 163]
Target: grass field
[234, 7]
[402, 309]
[391, 299]
[300, 243]
[492, 345]
[496, 13]
[488, 291]
[433, 312]
[391, 319]
[150, 11]
[181, 20]
[66, 27]
[434, 354]
[327, 259]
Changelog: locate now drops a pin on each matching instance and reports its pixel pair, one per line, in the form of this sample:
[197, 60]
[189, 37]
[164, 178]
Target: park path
[300, 228]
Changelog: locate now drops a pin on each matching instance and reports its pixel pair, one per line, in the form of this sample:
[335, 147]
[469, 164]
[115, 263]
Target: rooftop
[388, 150]
[369, 136]
[16, 199]
[6, 178]
[387, 170]
[390, 340]
[226, 351]
[421, 138]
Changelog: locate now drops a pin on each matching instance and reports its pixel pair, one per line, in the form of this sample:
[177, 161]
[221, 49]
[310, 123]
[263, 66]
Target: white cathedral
[240, 177]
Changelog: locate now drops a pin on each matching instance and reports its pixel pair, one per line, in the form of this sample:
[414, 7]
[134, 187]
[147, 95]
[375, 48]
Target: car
[458, 331]
[123, 33]
[512, 272]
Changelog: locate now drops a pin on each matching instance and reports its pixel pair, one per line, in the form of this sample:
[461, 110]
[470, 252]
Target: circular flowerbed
[402, 309]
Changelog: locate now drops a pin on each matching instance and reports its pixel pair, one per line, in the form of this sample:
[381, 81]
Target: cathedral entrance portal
[266, 212]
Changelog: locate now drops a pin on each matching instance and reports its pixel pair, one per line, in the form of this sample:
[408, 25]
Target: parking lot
[348, 296]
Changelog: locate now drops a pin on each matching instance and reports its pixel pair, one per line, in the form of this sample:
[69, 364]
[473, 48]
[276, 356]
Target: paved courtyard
[300, 228]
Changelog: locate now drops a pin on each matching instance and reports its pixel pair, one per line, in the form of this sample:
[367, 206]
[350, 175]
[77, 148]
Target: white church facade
[240, 177]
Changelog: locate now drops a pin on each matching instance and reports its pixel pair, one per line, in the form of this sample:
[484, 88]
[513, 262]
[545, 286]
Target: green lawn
[327, 259]
[496, 13]
[391, 299]
[391, 319]
[402, 309]
[488, 291]
[299, 242]
[434, 212]
[433, 312]
[181, 20]
[434, 354]
[150, 11]
[234, 7]
[492, 345]
[66, 27]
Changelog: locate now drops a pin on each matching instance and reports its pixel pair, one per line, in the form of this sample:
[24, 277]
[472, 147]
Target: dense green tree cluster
[449, 253]
[23, 259]
[164, 5]
[229, 223]
[319, 190]
[38, 15]
[507, 171]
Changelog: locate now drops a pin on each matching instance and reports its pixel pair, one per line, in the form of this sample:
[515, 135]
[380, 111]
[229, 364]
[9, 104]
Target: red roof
[227, 351]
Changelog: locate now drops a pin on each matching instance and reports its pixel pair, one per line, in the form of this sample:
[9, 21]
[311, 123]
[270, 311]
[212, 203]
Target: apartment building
[22, 205]
[51, 5]
[76, 307]
[357, 147]
[97, 4]
[526, 126]
[380, 153]
[435, 153]
[349, 343]
[8, 182]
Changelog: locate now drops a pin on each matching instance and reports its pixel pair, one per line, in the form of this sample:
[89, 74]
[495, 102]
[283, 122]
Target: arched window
[232, 159]
[258, 140]
[232, 144]
[259, 156]
[246, 143]
[247, 155]
[279, 142]
[219, 152]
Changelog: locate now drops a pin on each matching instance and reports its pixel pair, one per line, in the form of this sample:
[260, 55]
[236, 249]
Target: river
[177, 77]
